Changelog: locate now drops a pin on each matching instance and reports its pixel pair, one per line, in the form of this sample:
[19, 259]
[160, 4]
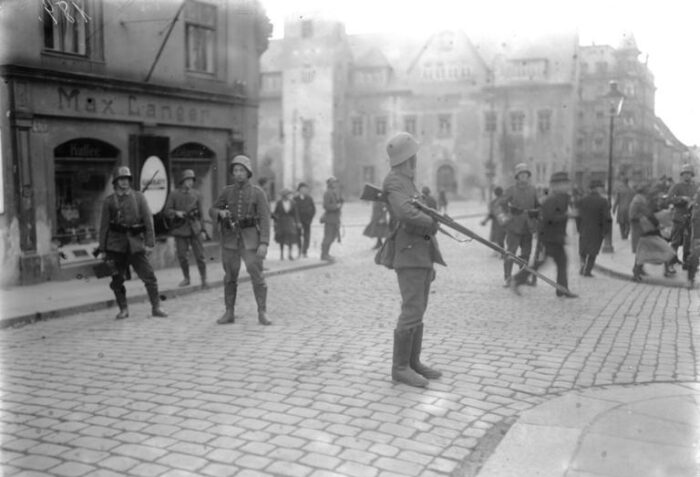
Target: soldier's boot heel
[401, 370]
[260, 292]
[415, 362]
[158, 312]
[226, 318]
[123, 313]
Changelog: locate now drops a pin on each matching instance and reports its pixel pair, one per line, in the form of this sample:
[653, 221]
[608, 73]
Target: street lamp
[614, 100]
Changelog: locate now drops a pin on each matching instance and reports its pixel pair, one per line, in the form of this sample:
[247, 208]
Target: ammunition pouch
[248, 222]
[127, 229]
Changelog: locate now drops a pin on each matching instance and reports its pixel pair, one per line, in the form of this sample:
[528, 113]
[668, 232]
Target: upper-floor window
[356, 125]
[307, 29]
[544, 120]
[380, 125]
[599, 142]
[517, 121]
[307, 128]
[601, 67]
[200, 36]
[490, 121]
[67, 26]
[308, 74]
[628, 89]
[409, 124]
[444, 125]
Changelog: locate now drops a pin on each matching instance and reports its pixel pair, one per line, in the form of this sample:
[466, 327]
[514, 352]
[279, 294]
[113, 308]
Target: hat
[425, 190]
[122, 171]
[285, 192]
[243, 161]
[401, 148]
[187, 174]
[522, 167]
[559, 177]
[331, 179]
[688, 168]
[302, 184]
[595, 183]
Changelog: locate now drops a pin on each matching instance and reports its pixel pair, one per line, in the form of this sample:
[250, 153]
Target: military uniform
[126, 229]
[332, 205]
[307, 210]
[681, 196]
[416, 251]
[187, 231]
[241, 234]
[593, 223]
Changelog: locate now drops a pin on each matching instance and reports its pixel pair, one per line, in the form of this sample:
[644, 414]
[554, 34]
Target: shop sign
[154, 183]
[86, 148]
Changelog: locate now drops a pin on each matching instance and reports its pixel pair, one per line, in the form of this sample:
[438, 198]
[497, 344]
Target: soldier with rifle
[184, 209]
[244, 213]
[681, 196]
[126, 238]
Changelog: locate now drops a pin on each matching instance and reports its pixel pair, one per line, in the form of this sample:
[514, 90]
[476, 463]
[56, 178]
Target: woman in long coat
[378, 226]
[287, 222]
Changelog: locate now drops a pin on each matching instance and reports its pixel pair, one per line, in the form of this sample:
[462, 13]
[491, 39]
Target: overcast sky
[668, 31]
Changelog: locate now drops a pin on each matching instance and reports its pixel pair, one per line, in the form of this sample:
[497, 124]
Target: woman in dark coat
[287, 222]
[378, 226]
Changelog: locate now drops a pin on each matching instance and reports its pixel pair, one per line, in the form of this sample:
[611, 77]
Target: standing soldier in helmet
[332, 204]
[415, 253]
[184, 209]
[244, 213]
[681, 196]
[126, 238]
[520, 204]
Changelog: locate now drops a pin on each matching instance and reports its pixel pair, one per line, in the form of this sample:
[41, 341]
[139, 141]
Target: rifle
[373, 193]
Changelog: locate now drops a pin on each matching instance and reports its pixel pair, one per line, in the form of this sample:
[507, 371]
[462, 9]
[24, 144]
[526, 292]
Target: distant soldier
[429, 199]
[681, 196]
[244, 212]
[498, 233]
[307, 211]
[184, 209]
[332, 205]
[593, 223]
[126, 238]
[621, 206]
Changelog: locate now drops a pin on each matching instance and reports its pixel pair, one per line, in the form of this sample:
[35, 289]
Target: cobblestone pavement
[311, 395]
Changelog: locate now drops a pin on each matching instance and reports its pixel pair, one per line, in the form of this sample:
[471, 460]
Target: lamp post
[614, 100]
[491, 125]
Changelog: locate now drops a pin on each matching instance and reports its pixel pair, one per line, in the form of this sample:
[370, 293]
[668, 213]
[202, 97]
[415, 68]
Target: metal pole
[165, 40]
[607, 244]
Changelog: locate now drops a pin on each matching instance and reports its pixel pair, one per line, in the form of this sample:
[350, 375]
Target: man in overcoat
[332, 206]
[126, 238]
[593, 222]
[307, 211]
[184, 210]
[244, 213]
[416, 251]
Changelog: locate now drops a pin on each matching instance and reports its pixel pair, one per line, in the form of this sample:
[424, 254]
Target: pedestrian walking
[332, 206]
[429, 199]
[694, 256]
[651, 246]
[442, 201]
[244, 213]
[126, 238]
[286, 218]
[307, 210]
[681, 196]
[378, 226]
[554, 216]
[497, 234]
[184, 211]
[520, 205]
[621, 207]
[415, 253]
[593, 222]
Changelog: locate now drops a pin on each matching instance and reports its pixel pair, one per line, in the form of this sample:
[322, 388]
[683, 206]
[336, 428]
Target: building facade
[91, 85]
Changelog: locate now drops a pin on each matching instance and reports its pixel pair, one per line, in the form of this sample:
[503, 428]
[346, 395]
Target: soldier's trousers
[680, 235]
[139, 262]
[331, 232]
[557, 252]
[231, 261]
[513, 241]
[414, 285]
[182, 245]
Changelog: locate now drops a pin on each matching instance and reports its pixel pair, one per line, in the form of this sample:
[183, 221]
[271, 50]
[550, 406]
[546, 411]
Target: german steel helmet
[522, 167]
[688, 168]
[401, 147]
[122, 171]
[244, 161]
[187, 174]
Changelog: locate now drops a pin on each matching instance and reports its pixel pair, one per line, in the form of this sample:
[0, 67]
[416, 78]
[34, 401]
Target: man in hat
[415, 253]
[126, 238]
[681, 196]
[554, 215]
[184, 209]
[244, 213]
[307, 210]
[593, 223]
[332, 205]
[519, 202]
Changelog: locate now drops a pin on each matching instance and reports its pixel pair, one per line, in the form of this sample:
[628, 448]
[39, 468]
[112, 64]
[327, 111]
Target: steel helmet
[401, 147]
[688, 168]
[331, 180]
[120, 172]
[244, 161]
[522, 167]
[187, 174]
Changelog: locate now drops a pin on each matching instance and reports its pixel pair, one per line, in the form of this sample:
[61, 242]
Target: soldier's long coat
[593, 222]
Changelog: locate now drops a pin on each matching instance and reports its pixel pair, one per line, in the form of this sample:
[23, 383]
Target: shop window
[201, 160]
[200, 33]
[73, 27]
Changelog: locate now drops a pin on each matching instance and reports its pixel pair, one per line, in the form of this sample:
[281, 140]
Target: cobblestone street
[312, 395]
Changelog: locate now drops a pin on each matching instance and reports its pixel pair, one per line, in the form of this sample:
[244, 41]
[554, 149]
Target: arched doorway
[201, 160]
[446, 179]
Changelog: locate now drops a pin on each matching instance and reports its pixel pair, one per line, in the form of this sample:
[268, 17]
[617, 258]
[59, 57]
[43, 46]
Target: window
[490, 121]
[380, 125]
[200, 36]
[580, 142]
[67, 26]
[517, 121]
[599, 114]
[307, 128]
[409, 124]
[601, 67]
[444, 125]
[599, 143]
[356, 126]
[628, 119]
[307, 74]
[307, 29]
[544, 120]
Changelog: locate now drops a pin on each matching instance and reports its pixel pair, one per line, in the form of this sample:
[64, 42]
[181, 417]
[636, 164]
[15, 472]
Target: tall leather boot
[186, 274]
[120, 297]
[153, 297]
[415, 363]
[203, 275]
[260, 292]
[230, 291]
[400, 369]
